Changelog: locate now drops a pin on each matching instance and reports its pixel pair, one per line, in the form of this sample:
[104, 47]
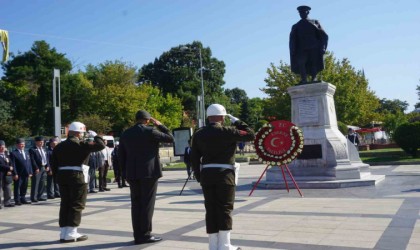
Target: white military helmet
[216, 109]
[77, 127]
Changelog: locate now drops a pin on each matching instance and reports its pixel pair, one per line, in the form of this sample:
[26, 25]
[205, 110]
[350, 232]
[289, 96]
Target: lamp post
[201, 113]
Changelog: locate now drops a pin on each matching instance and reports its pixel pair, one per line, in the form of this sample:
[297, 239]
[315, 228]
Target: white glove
[232, 118]
[92, 133]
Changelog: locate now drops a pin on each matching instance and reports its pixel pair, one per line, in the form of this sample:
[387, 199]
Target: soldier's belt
[215, 165]
[75, 168]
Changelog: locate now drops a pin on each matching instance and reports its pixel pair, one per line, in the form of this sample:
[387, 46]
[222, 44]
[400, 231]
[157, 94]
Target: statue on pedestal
[308, 43]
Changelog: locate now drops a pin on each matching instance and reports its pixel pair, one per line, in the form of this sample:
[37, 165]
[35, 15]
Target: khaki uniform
[216, 144]
[73, 189]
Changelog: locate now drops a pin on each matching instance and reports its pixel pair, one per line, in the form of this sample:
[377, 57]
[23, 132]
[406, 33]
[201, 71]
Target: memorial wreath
[278, 143]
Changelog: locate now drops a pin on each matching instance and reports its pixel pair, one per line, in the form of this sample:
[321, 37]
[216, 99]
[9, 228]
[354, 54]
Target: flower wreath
[290, 145]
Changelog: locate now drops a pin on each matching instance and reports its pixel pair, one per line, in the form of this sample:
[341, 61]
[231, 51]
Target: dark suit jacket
[36, 158]
[139, 151]
[22, 167]
[4, 165]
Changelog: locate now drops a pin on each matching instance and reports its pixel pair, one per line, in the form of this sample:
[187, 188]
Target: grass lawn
[387, 155]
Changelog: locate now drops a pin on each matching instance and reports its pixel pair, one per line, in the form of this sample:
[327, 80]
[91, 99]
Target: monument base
[328, 159]
[275, 180]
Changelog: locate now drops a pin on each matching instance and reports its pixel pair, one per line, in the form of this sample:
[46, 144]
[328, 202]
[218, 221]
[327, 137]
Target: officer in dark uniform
[139, 153]
[6, 176]
[308, 43]
[213, 162]
[69, 165]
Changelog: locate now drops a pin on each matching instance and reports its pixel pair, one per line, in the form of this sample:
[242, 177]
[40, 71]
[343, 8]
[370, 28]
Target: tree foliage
[177, 72]
[392, 106]
[407, 136]
[392, 121]
[12, 129]
[239, 97]
[355, 103]
[28, 83]
[116, 97]
[106, 96]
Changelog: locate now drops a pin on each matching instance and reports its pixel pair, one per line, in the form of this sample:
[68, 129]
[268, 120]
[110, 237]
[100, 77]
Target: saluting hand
[155, 122]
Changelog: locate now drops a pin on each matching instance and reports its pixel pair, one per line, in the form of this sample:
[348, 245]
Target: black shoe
[93, 192]
[33, 200]
[57, 196]
[107, 189]
[125, 185]
[42, 199]
[81, 238]
[18, 203]
[101, 190]
[51, 197]
[151, 239]
[26, 202]
[9, 205]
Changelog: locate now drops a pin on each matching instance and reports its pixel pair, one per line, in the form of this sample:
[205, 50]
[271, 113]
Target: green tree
[239, 97]
[407, 136]
[392, 106]
[96, 123]
[177, 72]
[28, 83]
[355, 103]
[392, 121]
[255, 107]
[76, 97]
[12, 129]
[115, 96]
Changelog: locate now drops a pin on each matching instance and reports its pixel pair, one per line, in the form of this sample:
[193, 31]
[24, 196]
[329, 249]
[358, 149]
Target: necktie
[44, 160]
[23, 154]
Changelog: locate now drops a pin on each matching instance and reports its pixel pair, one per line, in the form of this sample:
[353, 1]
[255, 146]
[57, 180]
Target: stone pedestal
[328, 159]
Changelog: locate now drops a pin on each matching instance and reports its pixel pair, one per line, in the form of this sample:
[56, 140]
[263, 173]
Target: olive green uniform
[73, 189]
[216, 144]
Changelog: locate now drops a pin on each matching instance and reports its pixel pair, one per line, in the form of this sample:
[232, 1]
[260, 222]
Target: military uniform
[66, 158]
[214, 148]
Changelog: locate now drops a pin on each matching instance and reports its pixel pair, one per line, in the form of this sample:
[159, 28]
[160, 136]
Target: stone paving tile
[381, 217]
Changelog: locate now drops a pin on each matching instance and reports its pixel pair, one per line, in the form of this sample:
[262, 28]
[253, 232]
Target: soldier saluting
[213, 161]
[67, 160]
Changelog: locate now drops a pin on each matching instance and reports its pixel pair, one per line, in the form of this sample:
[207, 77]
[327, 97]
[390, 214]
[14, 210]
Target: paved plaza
[381, 217]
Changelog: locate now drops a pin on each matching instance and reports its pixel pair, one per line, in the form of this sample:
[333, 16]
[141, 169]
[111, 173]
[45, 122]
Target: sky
[382, 37]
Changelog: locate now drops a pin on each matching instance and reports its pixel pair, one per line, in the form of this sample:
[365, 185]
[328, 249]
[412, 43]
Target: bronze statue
[308, 43]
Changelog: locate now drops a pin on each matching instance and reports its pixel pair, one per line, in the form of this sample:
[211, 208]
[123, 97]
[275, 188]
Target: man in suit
[213, 162]
[40, 168]
[6, 170]
[139, 153]
[308, 43]
[52, 187]
[67, 162]
[117, 171]
[21, 163]
[93, 162]
[104, 167]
